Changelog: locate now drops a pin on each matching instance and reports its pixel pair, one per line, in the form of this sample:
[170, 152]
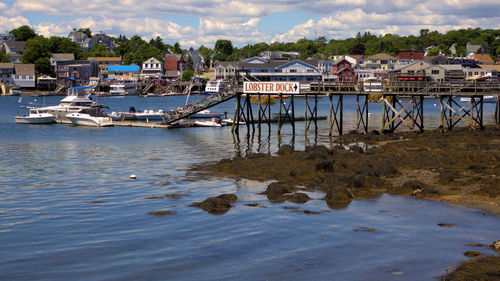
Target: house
[76, 70]
[226, 69]
[14, 49]
[124, 72]
[415, 71]
[483, 58]
[325, 68]
[409, 55]
[6, 72]
[473, 49]
[269, 55]
[78, 37]
[197, 59]
[342, 70]
[492, 71]
[103, 63]
[173, 62]
[440, 59]
[7, 37]
[60, 57]
[24, 75]
[295, 70]
[380, 61]
[152, 68]
[96, 39]
[489, 72]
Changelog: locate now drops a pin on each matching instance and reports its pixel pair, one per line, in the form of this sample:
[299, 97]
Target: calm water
[68, 210]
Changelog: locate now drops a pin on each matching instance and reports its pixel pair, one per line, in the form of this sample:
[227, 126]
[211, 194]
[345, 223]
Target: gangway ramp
[202, 104]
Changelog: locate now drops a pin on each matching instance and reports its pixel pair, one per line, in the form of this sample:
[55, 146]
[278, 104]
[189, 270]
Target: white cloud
[9, 23]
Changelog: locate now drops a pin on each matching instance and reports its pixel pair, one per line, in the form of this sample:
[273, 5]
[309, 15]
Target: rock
[279, 188]
[285, 149]
[338, 194]
[471, 254]
[365, 181]
[162, 213]
[496, 245]
[325, 166]
[297, 197]
[217, 205]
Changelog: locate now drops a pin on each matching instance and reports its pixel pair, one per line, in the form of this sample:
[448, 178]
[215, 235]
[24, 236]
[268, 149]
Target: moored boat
[207, 123]
[208, 114]
[35, 116]
[93, 116]
[77, 98]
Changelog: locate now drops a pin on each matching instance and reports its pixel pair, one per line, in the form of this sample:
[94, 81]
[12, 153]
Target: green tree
[35, 48]
[23, 33]
[42, 66]
[187, 74]
[433, 52]
[177, 48]
[64, 45]
[206, 53]
[223, 48]
[86, 31]
[157, 43]
[4, 57]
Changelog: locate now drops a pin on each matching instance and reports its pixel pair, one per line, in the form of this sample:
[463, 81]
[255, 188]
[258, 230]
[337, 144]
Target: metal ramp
[202, 104]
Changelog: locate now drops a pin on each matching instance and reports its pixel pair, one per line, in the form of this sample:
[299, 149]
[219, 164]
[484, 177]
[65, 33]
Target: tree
[189, 63]
[433, 52]
[4, 57]
[206, 53]
[42, 66]
[23, 33]
[64, 45]
[187, 74]
[35, 48]
[86, 31]
[223, 48]
[177, 48]
[157, 43]
[358, 49]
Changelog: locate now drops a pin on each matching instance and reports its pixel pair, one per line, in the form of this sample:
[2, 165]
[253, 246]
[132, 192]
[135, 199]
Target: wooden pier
[396, 112]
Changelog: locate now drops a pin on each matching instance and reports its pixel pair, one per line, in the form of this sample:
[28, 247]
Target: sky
[201, 22]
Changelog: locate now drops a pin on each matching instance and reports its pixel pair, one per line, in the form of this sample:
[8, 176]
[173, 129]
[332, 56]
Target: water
[68, 210]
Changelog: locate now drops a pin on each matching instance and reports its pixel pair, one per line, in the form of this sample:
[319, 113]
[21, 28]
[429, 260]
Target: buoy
[132, 176]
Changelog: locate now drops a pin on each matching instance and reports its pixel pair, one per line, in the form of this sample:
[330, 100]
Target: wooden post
[279, 113]
[293, 115]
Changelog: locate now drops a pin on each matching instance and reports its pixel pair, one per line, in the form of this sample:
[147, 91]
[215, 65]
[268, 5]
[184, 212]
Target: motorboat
[214, 87]
[146, 115]
[208, 114]
[486, 99]
[123, 88]
[77, 99]
[94, 116]
[207, 123]
[35, 116]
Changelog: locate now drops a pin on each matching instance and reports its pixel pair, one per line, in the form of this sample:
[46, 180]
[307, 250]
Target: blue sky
[202, 22]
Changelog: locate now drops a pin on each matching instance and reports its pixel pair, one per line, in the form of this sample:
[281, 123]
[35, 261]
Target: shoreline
[459, 167]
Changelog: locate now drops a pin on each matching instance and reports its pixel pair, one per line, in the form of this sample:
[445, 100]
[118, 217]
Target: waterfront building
[124, 72]
[24, 75]
[103, 63]
[55, 58]
[342, 70]
[482, 58]
[227, 69]
[173, 65]
[152, 68]
[380, 61]
[409, 55]
[295, 70]
[99, 38]
[197, 59]
[76, 70]
[6, 72]
[78, 37]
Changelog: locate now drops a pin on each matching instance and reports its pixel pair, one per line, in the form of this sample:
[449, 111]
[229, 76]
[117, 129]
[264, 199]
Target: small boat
[93, 116]
[214, 87]
[35, 116]
[486, 99]
[207, 123]
[208, 114]
[146, 115]
[77, 98]
[16, 91]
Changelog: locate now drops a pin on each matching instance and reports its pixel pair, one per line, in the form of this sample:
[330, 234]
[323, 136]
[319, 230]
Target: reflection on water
[69, 211]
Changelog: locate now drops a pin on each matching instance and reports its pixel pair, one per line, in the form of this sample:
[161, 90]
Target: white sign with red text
[271, 87]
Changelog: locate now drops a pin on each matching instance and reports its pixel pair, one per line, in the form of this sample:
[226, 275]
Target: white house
[152, 68]
[24, 75]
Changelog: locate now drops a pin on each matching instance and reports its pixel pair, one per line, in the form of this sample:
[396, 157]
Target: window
[310, 70]
[293, 70]
[435, 71]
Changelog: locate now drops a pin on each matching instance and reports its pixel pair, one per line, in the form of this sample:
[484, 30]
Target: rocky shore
[460, 167]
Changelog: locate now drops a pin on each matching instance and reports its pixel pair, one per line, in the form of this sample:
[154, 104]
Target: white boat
[123, 88]
[93, 116]
[146, 115]
[213, 87]
[208, 114]
[207, 123]
[35, 116]
[16, 91]
[487, 99]
[77, 99]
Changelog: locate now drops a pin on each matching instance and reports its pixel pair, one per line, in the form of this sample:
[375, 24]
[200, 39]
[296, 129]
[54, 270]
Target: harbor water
[69, 211]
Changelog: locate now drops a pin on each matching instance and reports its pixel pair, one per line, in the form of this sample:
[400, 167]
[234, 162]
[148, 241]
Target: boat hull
[82, 120]
[34, 120]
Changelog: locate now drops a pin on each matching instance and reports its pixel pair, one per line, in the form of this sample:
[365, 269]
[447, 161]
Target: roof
[484, 58]
[269, 65]
[25, 69]
[491, 67]
[78, 35]
[6, 65]
[234, 63]
[450, 67]
[17, 45]
[339, 61]
[177, 57]
[382, 56]
[124, 68]
[58, 57]
[473, 48]
[356, 57]
[115, 59]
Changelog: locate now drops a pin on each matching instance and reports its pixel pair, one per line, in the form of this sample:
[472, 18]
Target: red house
[410, 55]
[343, 70]
[173, 62]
